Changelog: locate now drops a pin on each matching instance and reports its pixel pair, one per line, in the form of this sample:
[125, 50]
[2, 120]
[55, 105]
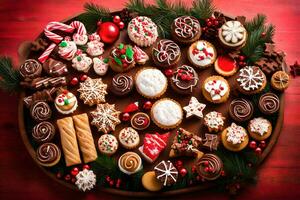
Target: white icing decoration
[85, 180]
[167, 113]
[235, 134]
[249, 80]
[129, 136]
[197, 53]
[139, 55]
[80, 39]
[194, 108]
[100, 67]
[216, 88]
[166, 50]
[108, 143]
[233, 31]
[82, 62]
[259, 125]
[214, 120]
[95, 48]
[151, 82]
[167, 172]
[68, 52]
[186, 27]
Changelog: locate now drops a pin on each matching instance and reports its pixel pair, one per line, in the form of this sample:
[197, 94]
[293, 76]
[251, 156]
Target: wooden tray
[24, 50]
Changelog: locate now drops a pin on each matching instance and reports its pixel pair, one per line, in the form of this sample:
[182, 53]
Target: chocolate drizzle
[30, 69]
[122, 84]
[186, 27]
[40, 111]
[240, 110]
[47, 153]
[43, 132]
[55, 67]
[209, 166]
[269, 103]
[140, 121]
[166, 52]
[185, 78]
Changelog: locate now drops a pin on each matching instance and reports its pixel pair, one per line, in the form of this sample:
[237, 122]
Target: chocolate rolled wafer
[85, 138]
[69, 141]
[45, 82]
[44, 95]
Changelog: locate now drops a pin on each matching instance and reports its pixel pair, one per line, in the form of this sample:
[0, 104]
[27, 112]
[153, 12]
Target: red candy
[74, 81]
[83, 77]
[226, 63]
[75, 171]
[125, 117]
[147, 105]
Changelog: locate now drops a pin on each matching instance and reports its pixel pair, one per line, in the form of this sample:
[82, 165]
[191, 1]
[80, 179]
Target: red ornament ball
[121, 25]
[116, 19]
[183, 172]
[108, 32]
[252, 145]
[125, 117]
[147, 105]
[75, 171]
[169, 72]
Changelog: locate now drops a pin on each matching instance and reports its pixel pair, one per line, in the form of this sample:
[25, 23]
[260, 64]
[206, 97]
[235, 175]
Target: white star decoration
[194, 108]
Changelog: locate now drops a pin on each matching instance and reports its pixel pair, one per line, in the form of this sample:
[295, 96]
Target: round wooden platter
[24, 50]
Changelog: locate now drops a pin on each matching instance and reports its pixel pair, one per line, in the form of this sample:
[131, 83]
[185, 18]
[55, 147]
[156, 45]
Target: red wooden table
[20, 178]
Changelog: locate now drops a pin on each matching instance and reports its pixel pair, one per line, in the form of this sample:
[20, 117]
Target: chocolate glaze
[43, 132]
[209, 166]
[30, 69]
[47, 153]
[269, 103]
[240, 110]
[40, 111]
[121, 84]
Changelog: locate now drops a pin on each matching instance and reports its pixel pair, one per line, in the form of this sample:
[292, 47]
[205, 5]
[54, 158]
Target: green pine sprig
[203, 9]
[10, 77]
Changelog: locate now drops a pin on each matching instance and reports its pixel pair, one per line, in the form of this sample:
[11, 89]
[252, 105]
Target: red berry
[73, 180]
[179, 164]
[98, 23]
[86, 167]
[208, 23]
[188, 77]
[194, 170]
[222, 173]
[118, 181]
[241, 64]
[125, 117]
[252, 145]
[74, 81]
[241, 58]
[68, 177]
[107, 178]
[207, 20]
[183, 172]
[75, 171]
[183, 77]
[111, 183]
[147, 105]
[125, 65]
[212, 18]
[263, 34]
[216, 23]
[121, 25]
[59, 175]
[262, 144]
[206, 163]
[204, 29]
[117, 19]
[83, 77]
[168, 72]
[258, 150]
[123, 51]
[198, 178]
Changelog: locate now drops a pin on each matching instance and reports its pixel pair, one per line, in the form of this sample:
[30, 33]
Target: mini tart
[150, 182]
[150, 82]
[130, 163]
[121, 58]
[142, 31]
[234, 138]
[166, 113]
[260, 128]
[166, 53]
[140, 121]
[66, 102]
[48, 154]
[251, 80]
[225, 65]
[280, 80]
[184, 80]
[214, 121]
[186, 29]
[202, 54]
[232, 34]
[216, 89]
[108, 144]
[129, 138]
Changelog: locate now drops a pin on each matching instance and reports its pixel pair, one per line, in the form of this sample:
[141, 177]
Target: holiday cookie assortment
[123, 107]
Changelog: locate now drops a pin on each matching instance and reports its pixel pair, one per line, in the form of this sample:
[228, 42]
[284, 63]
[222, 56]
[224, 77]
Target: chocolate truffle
[48, 154]
[240, 110]
[43, 132]
[140, 121]
[30, 69]
[121, 84]
[209, 166]
[40, 111]
[269, 103]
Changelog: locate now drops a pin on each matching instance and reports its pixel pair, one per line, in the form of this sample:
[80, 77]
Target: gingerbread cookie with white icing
[215, 89]
[260, 128]
[234, 138]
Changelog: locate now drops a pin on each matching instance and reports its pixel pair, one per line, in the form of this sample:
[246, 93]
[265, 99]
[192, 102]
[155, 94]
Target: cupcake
[108, 144]
[269, 103]
[166, 53]
[43, 132]
[210, 166]
[142, 31]
[166, 113]
[240, 110]
[67, 49]
[151, 82]
[234, 138]
[225, 65]
[202, 54]
[280, 80]
[215, 89]
[260, 128]
[66, 102]
[232, 34]
[129, 138]
[121, 84]
[251, 80]
[140, 121]
[186, 29]
[214, 121]
[121, 58]
[184, 80]
[130, 163]
[48, 154]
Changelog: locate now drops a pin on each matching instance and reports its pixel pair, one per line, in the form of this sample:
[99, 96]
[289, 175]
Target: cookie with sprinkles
[129, 138]
[108, 144]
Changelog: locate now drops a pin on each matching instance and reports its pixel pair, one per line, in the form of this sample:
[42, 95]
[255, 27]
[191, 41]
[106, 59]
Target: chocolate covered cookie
[121, 84]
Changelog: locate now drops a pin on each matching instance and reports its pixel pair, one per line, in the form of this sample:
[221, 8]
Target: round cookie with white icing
[142, 31]
[234, 137]
[202, 54]
[82, 62]
[214, 121]
[151, 82]
[108, 144]
[260, 128]
[129, 138]
[100, 65]
[232, 34]
[251, 80]
[66, 102]
[166, 113]
[67, 49]
[215, 89]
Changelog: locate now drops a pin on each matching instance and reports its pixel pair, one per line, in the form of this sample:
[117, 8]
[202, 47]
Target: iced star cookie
[142, 31]
[234, 138]
[232, 34]
[166, 113]
[108, 144]
[251, 80]
[259, 128]
[194, 108]
[151, 82]
[215, 89]
[82, 62]
[66, 102]
[67, 49]
[214, 121]
[129, 138]
[186, 29]
[202, 54]
[130, 163]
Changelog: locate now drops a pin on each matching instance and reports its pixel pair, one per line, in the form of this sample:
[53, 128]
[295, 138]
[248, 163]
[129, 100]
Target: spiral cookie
[40, 111]
[140, 121]
[240, 110]
[43, 132]
[269, 103]
[209, 166]
[48, 154]
[30, 69]
[130, 163]
[121, 84]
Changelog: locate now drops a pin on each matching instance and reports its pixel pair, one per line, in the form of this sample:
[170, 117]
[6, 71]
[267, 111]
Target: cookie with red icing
[225, 65]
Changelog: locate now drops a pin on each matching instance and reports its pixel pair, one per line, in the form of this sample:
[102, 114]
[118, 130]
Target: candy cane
[80, 37]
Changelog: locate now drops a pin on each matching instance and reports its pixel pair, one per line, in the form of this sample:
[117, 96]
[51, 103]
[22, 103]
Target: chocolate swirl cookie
[166, 53]
[130, 163]
[121, 84]
[40, 111]
[30, 69]
[209, 166]
[48, 154]
[43, 132]
[269, 103]
[240, 110]
[140, 121]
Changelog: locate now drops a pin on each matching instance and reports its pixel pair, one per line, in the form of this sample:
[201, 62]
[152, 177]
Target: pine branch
[202, 9]
[258, 21]
[270, 31]
[140, 7]
[105, 165]
[10, 77]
